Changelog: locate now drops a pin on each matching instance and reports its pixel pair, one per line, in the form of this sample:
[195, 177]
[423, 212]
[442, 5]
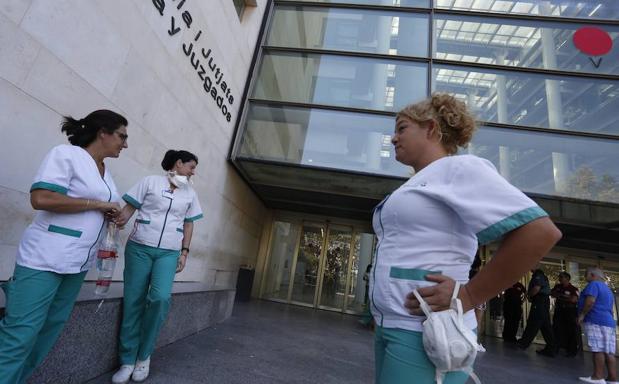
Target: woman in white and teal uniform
[73, 192]
[428, 232]
[157, 249]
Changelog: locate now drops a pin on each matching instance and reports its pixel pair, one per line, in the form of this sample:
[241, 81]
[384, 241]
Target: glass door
[335, 268]
[305, 281]
[316, 264]
[284, 240]
[359, 275]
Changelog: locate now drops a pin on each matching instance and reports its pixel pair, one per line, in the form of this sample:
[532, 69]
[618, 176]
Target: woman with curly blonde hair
[429, 230]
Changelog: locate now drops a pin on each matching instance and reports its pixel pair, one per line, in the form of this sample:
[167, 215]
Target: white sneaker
[480, 348]
[123, 374]
[588, 379]
[142, 368]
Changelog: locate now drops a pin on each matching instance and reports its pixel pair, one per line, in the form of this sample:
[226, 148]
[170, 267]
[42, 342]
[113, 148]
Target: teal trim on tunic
[196, 217]
[411, 273]
[64, 231]
[133, 202]
[179, 230]
[50, 187]
[143, 221]
[518, 219]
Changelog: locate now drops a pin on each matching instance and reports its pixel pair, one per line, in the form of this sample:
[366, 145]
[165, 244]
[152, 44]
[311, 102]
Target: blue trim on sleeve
[196, 217]
[50, 187]
[518, 219]
[133, 202]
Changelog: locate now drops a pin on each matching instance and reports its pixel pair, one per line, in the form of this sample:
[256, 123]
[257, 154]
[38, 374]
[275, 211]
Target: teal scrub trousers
[149, 274]
[401, 359]
[38, 304]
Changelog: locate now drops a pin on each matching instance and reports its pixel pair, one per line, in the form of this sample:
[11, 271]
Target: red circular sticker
[593, 41]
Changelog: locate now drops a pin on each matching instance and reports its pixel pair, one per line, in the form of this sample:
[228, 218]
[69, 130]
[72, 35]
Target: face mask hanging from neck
[179, 181]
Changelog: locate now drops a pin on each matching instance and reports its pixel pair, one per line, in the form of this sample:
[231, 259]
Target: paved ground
[265, 342]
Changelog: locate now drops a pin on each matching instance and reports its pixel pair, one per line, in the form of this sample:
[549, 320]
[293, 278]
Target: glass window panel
[521, 43]
[552, 164]
[341, 140]
[392, 33]
[339, 80]
[583, 9]
[395, 3]
[577, 104]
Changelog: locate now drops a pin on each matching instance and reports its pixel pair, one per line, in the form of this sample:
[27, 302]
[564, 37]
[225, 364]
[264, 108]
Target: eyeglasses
[123, 136]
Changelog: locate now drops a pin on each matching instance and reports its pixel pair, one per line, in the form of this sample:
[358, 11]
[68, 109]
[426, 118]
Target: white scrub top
[162, 212]
[67, 242]
[433, 224]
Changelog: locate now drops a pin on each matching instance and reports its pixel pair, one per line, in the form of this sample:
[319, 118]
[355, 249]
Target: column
[560, 161]
[502, 116]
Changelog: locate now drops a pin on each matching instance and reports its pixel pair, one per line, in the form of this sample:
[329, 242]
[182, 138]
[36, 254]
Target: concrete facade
[71, 57]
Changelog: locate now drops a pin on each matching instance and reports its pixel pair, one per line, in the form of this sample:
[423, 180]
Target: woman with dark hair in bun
[73, 193]
[428, 232]
[157, 249]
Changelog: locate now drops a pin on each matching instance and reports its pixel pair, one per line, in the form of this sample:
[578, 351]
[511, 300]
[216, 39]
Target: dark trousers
[512, 315]
[565, 328]
[539, 319]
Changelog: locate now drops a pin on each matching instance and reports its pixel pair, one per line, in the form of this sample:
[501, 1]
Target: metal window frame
[558, 132]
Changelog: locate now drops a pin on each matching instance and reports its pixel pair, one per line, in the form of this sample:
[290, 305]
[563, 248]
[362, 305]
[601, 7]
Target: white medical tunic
[433, 223]
[67, 242]
[162, 212]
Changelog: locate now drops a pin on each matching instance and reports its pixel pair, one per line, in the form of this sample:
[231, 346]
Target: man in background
[539, 316]
[564, 321]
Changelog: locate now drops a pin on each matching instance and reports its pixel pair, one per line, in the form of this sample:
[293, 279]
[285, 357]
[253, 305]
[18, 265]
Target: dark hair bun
[84, 131]
[171, 157]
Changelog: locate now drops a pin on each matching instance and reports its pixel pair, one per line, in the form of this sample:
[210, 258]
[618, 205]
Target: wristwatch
[185, 249]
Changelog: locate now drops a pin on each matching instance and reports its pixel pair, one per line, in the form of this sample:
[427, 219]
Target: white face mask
[177, 180]
[448, 343]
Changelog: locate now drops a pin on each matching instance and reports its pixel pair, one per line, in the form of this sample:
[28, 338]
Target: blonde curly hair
[456, 124]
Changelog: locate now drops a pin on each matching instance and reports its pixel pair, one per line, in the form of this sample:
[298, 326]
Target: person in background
[428, 234]
[564, 321]
[157, 249]
[539, 315]
[73, 193]
[512, 311]
[366, 278]
[479, 309]
[595, 313]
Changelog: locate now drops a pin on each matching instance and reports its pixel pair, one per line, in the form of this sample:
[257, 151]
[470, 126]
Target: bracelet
[185, 249]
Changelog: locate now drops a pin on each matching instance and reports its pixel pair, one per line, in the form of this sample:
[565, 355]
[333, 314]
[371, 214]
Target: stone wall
[70, 57]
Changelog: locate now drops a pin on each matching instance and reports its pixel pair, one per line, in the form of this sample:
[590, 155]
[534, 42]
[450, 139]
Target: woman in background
[157, 249]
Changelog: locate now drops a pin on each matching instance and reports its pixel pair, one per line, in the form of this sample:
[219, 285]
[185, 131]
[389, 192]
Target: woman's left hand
[437, 296]
[180, 265]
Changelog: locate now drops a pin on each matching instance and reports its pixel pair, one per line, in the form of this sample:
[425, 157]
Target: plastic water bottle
[106, 259]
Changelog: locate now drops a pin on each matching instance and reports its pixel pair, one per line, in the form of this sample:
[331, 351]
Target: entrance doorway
[319, 264]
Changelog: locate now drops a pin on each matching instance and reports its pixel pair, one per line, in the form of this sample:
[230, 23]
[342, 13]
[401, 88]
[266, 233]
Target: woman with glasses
[157, 249]
[73, 193]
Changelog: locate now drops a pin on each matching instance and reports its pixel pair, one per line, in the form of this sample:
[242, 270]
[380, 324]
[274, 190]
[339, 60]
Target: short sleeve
[55, 172]
[591, 290]
[194, 212]
[135, 196]
[486, 202]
